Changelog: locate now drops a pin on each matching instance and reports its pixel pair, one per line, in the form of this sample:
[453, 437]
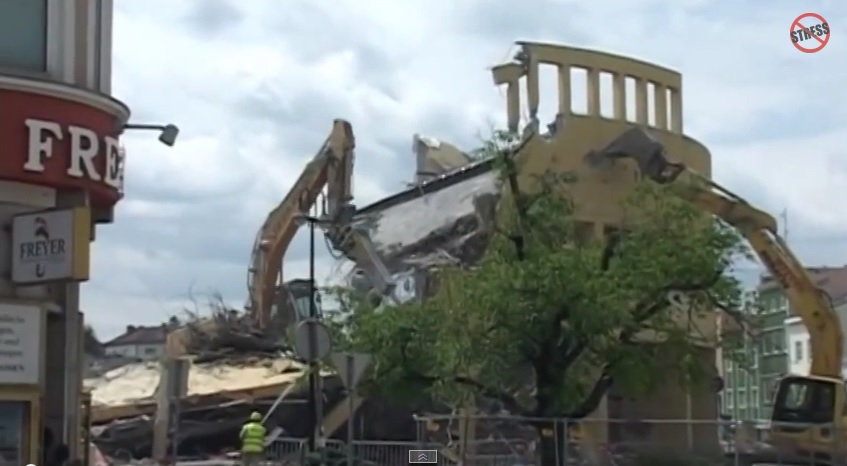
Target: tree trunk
[553, 447]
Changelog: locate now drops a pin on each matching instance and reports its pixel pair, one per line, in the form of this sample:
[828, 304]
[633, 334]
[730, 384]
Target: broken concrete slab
[430, 223]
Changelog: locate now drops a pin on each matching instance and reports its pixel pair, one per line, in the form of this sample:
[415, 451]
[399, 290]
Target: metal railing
[512, 441]
[292, 451]
[509, 441]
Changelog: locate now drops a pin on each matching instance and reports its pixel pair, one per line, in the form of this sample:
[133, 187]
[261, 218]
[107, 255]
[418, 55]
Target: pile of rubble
[235, 369]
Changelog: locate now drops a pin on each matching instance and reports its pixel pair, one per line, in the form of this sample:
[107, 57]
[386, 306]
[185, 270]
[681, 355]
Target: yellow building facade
[637, 93]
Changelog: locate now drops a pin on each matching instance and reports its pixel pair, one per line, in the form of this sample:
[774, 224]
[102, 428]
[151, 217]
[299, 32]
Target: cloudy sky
[254, 87]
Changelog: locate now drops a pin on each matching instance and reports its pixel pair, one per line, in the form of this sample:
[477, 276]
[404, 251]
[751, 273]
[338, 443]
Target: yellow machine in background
[808, 421]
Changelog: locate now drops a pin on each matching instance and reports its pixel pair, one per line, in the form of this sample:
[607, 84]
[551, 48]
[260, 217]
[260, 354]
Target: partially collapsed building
[446, 216]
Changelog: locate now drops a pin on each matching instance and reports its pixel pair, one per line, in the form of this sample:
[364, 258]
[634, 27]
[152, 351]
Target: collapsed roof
[131, 390]
[441, 217]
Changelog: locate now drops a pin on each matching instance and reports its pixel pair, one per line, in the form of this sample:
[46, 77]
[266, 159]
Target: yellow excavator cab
[808, 414]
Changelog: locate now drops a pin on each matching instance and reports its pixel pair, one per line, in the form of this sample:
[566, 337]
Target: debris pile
[228, 334]
[235, 368]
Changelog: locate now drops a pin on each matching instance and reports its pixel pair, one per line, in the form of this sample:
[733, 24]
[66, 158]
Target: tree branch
[563, 357]
[700, 285]
[736, 316]
[605, 381]
[658, 299]
[520, 204]
[594, 397]
[510, 402]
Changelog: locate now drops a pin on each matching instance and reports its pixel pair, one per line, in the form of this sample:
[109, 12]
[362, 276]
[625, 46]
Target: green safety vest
[253, 437]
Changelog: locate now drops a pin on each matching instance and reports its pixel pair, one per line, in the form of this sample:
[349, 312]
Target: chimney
[130, 328]
[434, 158]
[420, 147]
[173, 323]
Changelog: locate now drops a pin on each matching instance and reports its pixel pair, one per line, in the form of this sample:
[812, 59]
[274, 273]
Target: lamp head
[169, 134]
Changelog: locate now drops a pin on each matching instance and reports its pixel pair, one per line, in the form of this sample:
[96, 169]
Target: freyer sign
[63, 143]
[51, 245]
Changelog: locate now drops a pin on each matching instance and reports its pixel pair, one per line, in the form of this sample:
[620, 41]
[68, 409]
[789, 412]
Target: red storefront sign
[61, 144]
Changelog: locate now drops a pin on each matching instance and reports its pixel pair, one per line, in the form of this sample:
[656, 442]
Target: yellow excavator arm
[332, 167]
[279, 228]
[758, 227]
[808, 416]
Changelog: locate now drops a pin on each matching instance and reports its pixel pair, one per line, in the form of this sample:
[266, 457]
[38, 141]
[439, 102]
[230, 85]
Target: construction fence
[511, 441]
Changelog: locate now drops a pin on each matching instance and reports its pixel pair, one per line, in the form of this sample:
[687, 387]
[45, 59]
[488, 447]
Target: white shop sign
[51, 245]
[20, 343]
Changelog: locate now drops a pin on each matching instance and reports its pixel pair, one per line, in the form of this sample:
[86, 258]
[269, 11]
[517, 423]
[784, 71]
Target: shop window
[844, 408]
[771, 386]
[13, 427]
[767, 346]
[23, 35]
[97, 57]
[778, 341]
[101, 49]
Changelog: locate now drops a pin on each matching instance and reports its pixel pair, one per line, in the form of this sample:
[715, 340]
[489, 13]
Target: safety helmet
[255, 416]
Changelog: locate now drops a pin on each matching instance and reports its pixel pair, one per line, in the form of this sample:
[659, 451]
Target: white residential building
[799, 344]
[139, 342]
[799, 349]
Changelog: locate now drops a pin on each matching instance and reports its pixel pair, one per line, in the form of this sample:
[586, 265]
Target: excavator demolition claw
[644, 149]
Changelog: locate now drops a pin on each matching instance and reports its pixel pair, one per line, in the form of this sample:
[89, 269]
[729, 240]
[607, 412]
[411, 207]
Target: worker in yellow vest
[253, 440]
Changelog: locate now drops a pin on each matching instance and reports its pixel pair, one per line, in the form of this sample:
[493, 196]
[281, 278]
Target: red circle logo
[809, 32]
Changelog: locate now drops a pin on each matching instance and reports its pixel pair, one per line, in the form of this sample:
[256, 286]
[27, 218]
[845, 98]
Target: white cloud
[255, 85]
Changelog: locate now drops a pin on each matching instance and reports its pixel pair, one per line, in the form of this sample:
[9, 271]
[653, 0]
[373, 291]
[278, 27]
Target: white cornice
[67, 92]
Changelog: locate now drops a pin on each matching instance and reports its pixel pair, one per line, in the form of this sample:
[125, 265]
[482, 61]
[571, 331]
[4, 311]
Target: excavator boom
[809, 411]
[279, 228]
[758, 227]
[332, 167]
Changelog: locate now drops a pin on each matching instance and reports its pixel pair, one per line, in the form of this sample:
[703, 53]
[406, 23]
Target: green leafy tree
[91, 344]
[551, 318]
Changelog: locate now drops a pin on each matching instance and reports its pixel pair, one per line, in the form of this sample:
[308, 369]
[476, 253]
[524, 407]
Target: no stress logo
[809, 33]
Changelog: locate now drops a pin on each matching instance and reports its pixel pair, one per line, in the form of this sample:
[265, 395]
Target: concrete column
[63, 385]
[54, 392]
[67, 296]
[63, 381]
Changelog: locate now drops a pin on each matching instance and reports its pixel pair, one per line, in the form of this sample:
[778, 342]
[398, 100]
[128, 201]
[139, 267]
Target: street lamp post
[167, 133]
[315, 397]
